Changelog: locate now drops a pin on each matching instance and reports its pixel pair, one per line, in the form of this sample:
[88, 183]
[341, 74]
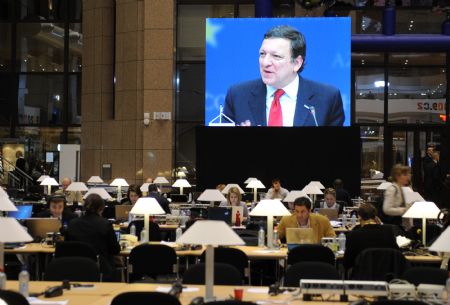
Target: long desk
[103, 293]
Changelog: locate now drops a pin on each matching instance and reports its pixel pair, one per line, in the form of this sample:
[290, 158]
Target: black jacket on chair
[99, 233]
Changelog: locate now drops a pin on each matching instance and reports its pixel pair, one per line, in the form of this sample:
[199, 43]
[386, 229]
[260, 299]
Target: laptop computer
[122, 212]
[220, 213]
[39, 227]
[332, 214]
[23, 211]
[298, 236]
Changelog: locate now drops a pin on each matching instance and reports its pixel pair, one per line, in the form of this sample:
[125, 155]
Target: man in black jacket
[57, 209]
[163, 202]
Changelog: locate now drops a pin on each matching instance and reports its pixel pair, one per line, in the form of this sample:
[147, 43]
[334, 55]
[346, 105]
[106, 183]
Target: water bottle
[24, 280]
[353, 220]
[143, 236]
[133, 230]
[342, 240]
[275, 238]
[344, 220]
[261, 237]
[2, 280]
[178, 233]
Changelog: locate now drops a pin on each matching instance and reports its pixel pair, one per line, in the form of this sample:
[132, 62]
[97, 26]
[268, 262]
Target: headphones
[56, 197]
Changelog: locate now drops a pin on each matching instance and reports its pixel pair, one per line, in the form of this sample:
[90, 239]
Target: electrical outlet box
[162, 116]
[430, 292]
[402, 291]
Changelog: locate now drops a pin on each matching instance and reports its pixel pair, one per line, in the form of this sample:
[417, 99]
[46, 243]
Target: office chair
[141, 297]
[224, 274]
[309, 270]
[426, 275]
[155, 231]
[13, 298]
[75, 248]
[78, 269]
[148, 260]
[234, 257]
[311, 253]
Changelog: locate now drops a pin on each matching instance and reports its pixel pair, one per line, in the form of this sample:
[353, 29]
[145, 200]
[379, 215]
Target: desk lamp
[211, 195]
[49, 182]
[11, 232]
[160, 181]
[383, 186]
[6, 204]
[270, 208]
[41, 178]
[292, 195]
[424, 210]
[99, 191]
[317, 183]
[210, 233]
[144, 188]
[312, 190]
[119, 182]
[255, 184]
[77, 187]
[249, 179]
[95, 180]
[181, 183]
[147, 206]
[442, 244]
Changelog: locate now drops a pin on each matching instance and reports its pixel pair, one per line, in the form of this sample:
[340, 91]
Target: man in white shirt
[276, 191]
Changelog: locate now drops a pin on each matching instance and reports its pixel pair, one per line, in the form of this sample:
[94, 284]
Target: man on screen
[282, 97]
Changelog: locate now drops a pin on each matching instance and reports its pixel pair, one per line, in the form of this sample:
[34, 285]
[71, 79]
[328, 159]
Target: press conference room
[224, 152]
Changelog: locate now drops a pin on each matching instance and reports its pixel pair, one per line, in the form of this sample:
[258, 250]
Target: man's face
[56, 208]
[430, 151]
[302, 214]
[276, 186]
[65, 183]
[275, 62]
[330, 200]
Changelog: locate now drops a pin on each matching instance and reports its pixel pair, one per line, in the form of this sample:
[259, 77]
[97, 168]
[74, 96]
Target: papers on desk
[267, 251]
[258, 290]
[169, 243]
[402, 241]
[185, 289]
[335, 223]
[36, 301]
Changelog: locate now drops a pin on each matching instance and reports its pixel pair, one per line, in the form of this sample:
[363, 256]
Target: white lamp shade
[119, 182]
[270, 207]
[384, 185]
[12, 232]
[41, 178]
[294, 195]
[442, 243]
[407, 189]
[312, 190]
[95, 179]
[318, 184]
[181, 174]
[49, 181]
[147, 206]
[210, 233]
[77, 187]
[160, 180]
[3, 193]
[99, 191]
[422, 209]
[411, 197]
[255, 184]
[181, 183]
[211, 195]
[230, 185]
[144, 187]
[249, 179]
[6, 204]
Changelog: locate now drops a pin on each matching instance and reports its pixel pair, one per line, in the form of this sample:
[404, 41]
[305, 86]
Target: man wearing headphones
[57, 209]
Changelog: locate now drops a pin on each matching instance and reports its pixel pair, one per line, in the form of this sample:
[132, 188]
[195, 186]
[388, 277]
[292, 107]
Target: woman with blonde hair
[394, 205]
[234, 198]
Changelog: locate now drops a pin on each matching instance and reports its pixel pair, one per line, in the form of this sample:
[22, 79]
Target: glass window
[185, 151]
[191, 28]
[367, 59]
[40, 47]
[190, 104]
[364, 21]
[40, 99]
[75, 47]
[417, 95]
[417, 59]
[6, 7]
[74, 99]
[74, 135]
[419, 21]
[4, 133]
[372, 156]
[6, 107]
[42, 9]
[369, 95]
[246, 10]
[75, 9]
[5, 46]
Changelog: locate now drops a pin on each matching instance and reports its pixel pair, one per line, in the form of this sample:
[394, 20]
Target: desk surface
[103, 293]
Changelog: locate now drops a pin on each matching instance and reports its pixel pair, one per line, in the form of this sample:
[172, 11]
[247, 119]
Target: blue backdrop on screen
[232, 54]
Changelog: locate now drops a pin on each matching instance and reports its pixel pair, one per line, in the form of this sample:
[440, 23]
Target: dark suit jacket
[163, 202]
[369, 236]
[247, 101]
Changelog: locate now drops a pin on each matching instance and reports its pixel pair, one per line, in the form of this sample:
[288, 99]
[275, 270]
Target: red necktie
[276, 114]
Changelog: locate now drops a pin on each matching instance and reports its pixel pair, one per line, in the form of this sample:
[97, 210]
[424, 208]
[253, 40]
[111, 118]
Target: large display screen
[278, 72]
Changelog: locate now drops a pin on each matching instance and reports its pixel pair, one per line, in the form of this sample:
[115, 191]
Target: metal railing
[15, 177]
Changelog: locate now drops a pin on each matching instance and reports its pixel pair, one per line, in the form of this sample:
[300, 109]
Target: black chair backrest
[13, 298]
[397, 302]
[426, 275]
[231, 256]
[80, 269]
[151, 260]
[379, 264]
[229, 302]
[109, 212]
[224, 274]
[75, 248]
[142, 297]
[155, 232]
[249, 236]
[311, 253]
[309, 270]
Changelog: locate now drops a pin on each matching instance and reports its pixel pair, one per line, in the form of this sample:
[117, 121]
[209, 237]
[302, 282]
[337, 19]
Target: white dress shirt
[288, 101]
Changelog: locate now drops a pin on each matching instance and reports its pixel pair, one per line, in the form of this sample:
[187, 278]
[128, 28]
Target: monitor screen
[278, 72]
[23, 211]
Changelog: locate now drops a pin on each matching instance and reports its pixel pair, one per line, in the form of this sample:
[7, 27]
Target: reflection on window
[190, 104]
[369, 95]
[417, 59]
[367, 59]
[40, 47]
[75, 47]
[40, 99]
[74, 99]
[74, 135]
[5, 46]
[417, 95]
[185, 152]
[364, 21]
[419, 21]
[372, 157]
[42, 9]
[6, 106]
[75, 9]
